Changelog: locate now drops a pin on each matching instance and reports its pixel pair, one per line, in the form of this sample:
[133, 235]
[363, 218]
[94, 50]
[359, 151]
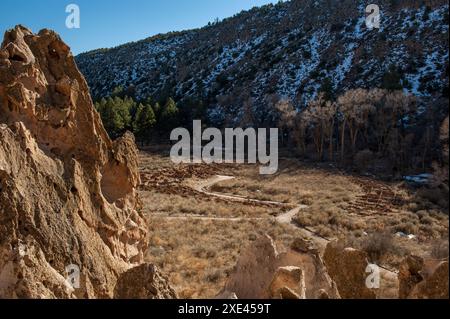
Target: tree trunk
[343, 139]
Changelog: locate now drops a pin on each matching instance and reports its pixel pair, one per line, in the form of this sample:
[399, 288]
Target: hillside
[292, 49]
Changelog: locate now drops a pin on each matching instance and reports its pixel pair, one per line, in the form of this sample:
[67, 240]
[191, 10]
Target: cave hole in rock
[115, 184]
[17, 57]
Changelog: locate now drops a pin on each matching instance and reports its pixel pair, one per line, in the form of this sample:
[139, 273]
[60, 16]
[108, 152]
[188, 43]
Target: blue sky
[108, 23]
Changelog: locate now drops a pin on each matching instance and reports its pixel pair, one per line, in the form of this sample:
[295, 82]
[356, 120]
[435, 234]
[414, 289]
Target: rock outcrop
[288, 283]
[67, 192]
[347, 267]
[143, 282]
[262, 272]
[409, 275]
[423, 279]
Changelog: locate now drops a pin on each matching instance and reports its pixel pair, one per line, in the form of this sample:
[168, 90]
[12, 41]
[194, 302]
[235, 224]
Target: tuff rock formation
[143, 282]
[347, 267]
[67, 192]
[288, 283]
[423, 279]
[263, 272]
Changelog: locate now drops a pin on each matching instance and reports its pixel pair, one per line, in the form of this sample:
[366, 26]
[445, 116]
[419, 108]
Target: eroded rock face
[262, 272]
[423, 279]
[67, 192]
[409, 275]
[347, 267]
[288, 283]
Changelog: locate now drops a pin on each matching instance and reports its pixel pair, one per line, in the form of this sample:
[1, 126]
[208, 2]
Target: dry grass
[330, 195]
[198, 255]
[293, 184]
[176, 205]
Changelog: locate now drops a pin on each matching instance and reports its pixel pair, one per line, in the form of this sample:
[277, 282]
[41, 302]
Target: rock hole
[10, 106]
[115, 184]
[53, 53]
[17, 57]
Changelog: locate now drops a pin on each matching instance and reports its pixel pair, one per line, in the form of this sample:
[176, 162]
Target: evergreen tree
[115, 114]
[392, 80]
[145, 121]
[327, 89]
[169, 115]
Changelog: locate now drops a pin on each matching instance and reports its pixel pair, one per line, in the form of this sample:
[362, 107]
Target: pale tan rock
[286, 280]
[289, 294]
[67, 192]
[303, 245]
[143, 282]
[423, 279]
[347, 268]
[258, 264]
[254, 270]
[409, 275]
[226, 295]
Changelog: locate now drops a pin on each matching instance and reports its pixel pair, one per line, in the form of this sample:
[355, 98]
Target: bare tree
[287, 117]
[320, 116]
[355, 106]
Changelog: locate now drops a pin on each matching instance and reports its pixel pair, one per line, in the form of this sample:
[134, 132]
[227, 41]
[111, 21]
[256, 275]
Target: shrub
[377, 245]
[440, 249]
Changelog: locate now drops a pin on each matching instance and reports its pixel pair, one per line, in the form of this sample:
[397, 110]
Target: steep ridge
[246, 63]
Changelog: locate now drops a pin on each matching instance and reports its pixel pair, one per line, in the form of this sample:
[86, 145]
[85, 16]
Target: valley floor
[202, 216]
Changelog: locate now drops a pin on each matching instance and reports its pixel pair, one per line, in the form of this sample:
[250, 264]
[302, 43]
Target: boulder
[409, 275]
[288, 283]
[254, 270]
[423, 279]
[262, 272]
[143, 282]
[347, 268]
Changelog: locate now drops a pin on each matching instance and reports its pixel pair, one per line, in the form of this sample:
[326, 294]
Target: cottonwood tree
[398, 108]
[320, 116]
[287, 117]
[354, 110]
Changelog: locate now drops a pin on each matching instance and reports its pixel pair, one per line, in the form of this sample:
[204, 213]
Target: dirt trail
[286, 218]
[203, 186]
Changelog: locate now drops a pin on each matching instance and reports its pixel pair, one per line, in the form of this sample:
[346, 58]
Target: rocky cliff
[68, 196]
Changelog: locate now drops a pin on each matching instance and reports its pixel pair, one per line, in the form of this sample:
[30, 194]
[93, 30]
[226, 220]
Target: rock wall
[67, 192]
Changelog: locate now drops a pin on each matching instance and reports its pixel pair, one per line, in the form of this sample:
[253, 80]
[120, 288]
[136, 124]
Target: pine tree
[115, 114]
[327, 89]
[169, 115]
[145, 121]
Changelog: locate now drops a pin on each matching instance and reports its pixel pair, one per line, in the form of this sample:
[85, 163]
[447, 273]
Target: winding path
[286, 218]
[204, 187]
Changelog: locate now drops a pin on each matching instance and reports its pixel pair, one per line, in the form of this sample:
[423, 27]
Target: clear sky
[108, 23]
